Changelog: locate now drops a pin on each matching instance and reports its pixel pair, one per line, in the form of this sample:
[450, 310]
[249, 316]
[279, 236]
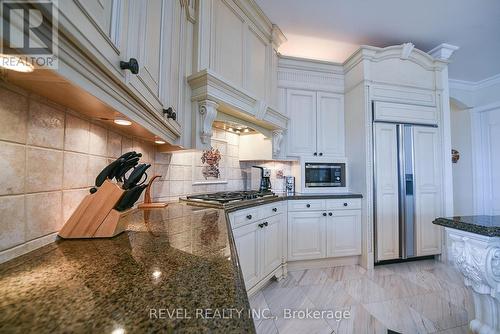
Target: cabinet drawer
[272, 209]
[306, 205]
[343, 204]
[243, 217]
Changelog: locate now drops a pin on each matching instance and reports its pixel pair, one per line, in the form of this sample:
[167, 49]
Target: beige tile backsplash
[51, 156]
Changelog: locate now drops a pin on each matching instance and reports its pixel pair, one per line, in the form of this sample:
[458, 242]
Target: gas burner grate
[230, 196]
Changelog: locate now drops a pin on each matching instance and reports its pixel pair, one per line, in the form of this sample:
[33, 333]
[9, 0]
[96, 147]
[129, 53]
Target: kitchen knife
[107, 172]
[135, 176]
[124, 168]
[130, 197]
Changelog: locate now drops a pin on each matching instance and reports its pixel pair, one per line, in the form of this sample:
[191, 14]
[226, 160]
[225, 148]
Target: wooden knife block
[96, 217]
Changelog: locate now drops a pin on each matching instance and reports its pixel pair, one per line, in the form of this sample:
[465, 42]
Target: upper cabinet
[131, 56]
[311, 94]
[100, 28]
[316, 124]
[147, 40]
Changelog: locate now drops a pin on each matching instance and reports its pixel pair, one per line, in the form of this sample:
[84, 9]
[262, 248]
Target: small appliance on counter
[265, 179]
[289, 185]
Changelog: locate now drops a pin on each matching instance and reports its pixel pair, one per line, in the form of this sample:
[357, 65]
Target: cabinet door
[99, 27]
[301, 107]
[387, 194]
[271, 241]
[330, 124]
[148, 37]
[306, 235]
[343, 233]
[248, 248]
[428, 194]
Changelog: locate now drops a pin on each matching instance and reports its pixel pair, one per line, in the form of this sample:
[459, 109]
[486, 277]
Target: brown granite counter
[183, 261]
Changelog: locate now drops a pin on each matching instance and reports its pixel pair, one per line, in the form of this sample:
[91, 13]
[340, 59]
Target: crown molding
[473, 86]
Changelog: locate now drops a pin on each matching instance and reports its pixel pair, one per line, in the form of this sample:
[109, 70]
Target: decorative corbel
[406, 50]
[208, 111]
[277, 139]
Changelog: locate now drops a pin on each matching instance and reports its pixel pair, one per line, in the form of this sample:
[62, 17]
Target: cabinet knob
[324, 214]
[131, 65]
[321, 154]
[266, 223]
[330, 214]
[275, 209]
[170, 113]
[315, 153]
[308, 205]
[249, 217]
[261, 225]
[345, 204]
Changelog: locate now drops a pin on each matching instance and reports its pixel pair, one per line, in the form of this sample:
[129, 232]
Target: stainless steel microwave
[324, 175]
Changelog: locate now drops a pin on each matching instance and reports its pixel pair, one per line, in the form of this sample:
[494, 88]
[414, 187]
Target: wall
[462, 170]
[50, 158]
[181, 170]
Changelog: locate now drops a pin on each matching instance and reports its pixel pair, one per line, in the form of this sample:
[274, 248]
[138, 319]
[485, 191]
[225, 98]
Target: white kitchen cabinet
[343, 233]
[147, 39]
[306, 235]
[301, 108]
[247, 239]
[330, 124]
[271, 243]
[259, 243]
[99, 28]
[428, 189]
[316, 126]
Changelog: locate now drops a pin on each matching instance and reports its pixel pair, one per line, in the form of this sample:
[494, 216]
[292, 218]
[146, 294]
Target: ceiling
[333, 29]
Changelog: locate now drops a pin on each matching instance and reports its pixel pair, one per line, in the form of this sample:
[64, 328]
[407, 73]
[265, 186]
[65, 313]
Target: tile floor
[414, 297]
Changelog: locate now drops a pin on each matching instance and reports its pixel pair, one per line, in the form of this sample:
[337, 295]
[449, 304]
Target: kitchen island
[174, 270]
[473, 246]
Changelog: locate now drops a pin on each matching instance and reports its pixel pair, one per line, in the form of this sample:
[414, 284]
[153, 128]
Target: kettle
[265, 179]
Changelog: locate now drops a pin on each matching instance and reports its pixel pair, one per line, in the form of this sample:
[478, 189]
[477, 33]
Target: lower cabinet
[317, 234]
[343, 233]
[306, 235]
[260, 248]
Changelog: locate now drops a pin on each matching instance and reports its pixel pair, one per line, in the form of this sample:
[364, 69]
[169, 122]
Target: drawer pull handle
[345, 204]
[275, 209]
[261, 225]
[249, 217]
[324, 214]
[308, 205]
[330, 214]
[266, 223]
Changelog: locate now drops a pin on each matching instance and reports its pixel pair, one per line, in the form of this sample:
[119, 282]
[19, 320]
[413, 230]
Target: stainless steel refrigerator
[407, 190]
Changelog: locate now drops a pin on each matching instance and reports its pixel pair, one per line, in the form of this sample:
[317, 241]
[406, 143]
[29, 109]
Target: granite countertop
[484, 225]
[183, 260]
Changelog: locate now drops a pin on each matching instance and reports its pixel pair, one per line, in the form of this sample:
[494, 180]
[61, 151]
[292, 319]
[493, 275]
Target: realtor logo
[29, 34]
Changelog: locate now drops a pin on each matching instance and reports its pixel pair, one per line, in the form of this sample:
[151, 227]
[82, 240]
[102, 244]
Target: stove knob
[249, 217]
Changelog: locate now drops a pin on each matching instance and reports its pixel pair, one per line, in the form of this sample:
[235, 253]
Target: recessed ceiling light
[246, 130]
[159, 141]
[15, 63]
[122, 122]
